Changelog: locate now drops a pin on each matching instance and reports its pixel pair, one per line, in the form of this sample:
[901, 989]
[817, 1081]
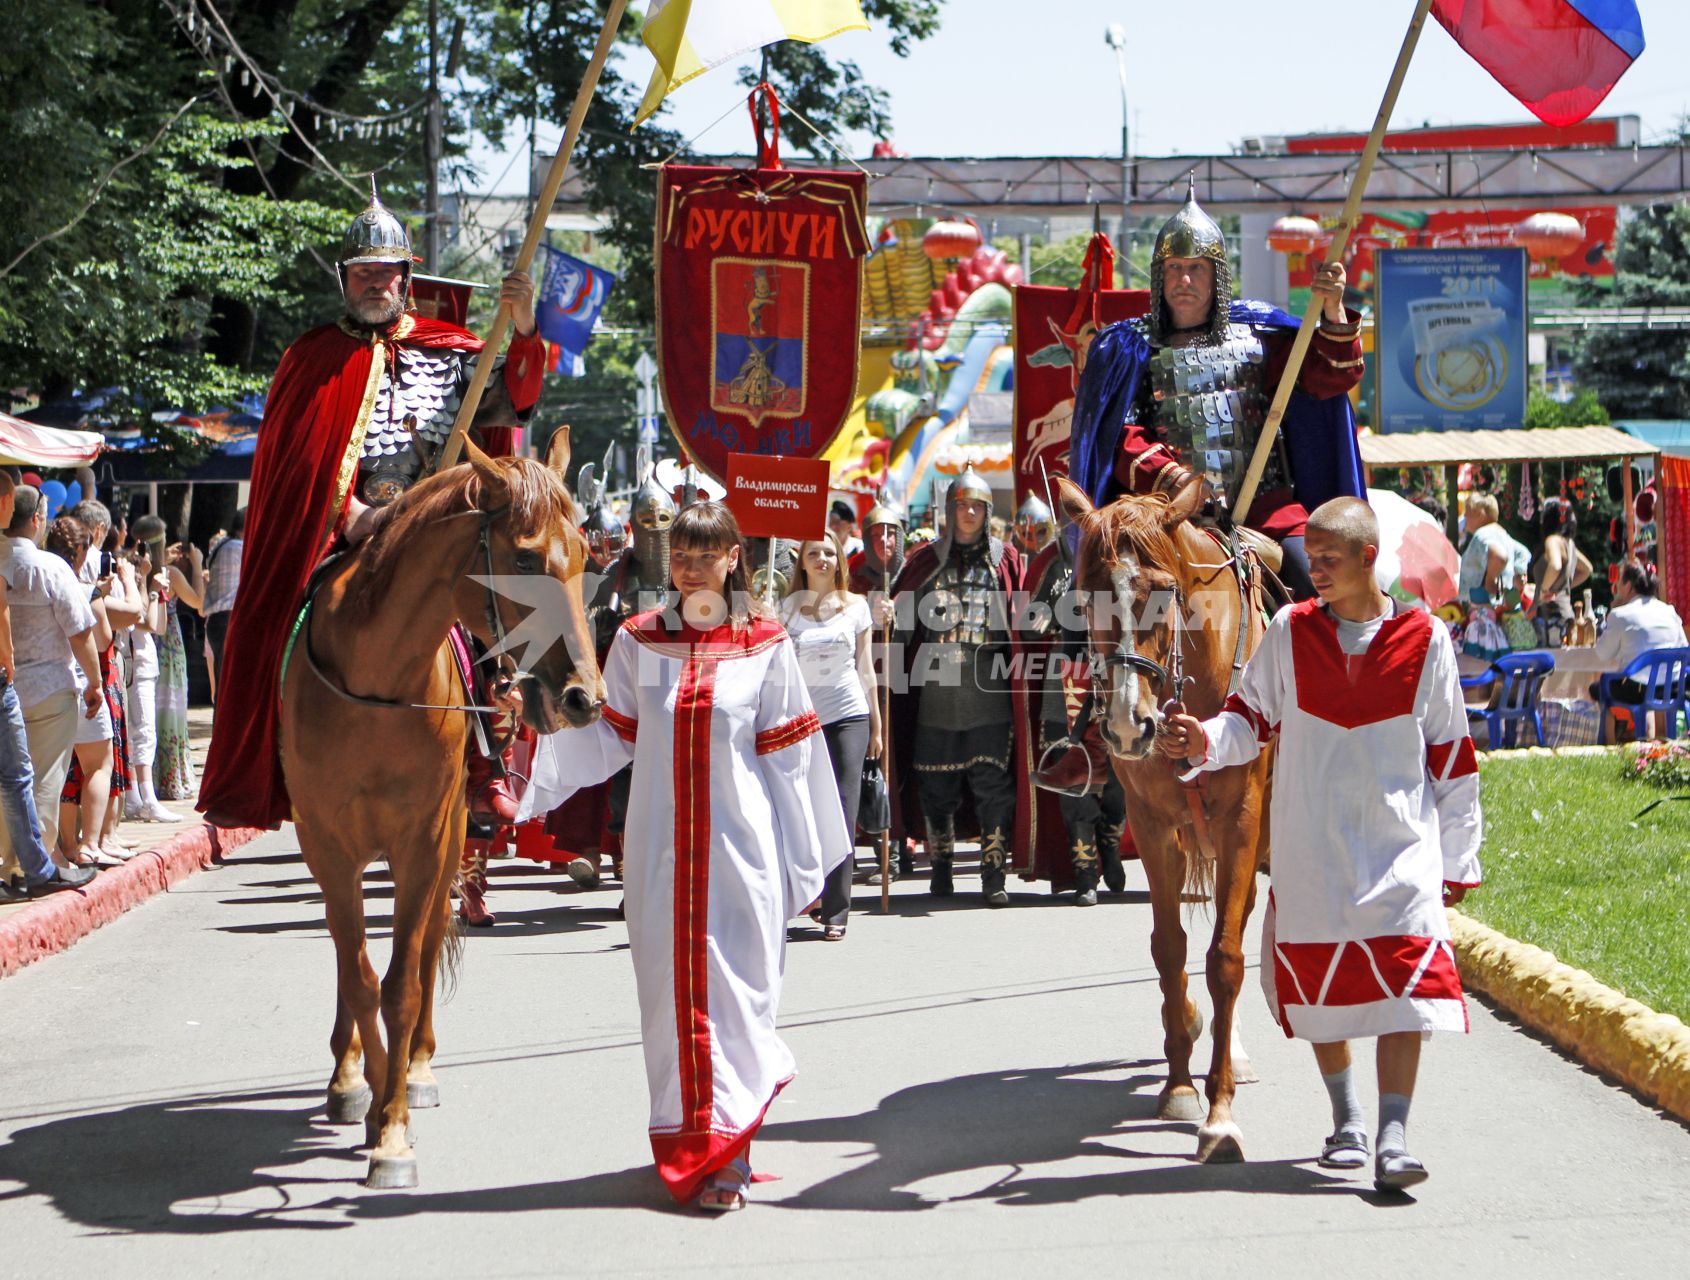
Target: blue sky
[994, 81]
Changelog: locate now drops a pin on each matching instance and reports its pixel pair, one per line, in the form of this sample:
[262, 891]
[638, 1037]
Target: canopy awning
[26, 444]
[1542, 444]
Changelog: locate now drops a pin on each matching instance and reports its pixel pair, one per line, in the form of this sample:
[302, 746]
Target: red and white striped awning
[24, 444]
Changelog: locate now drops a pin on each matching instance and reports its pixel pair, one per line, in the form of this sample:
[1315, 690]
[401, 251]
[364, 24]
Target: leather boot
[613, 842]
[906, 858]
[941, 847]
[994, 861]
[1085, 872]
[490, 798]
[472, 886]
[1109, 854]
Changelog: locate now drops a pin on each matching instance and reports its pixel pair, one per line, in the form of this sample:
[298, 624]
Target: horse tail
[450, 964]
[1199, 874]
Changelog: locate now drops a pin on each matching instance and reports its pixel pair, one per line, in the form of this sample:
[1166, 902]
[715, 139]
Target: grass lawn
[1567, 869]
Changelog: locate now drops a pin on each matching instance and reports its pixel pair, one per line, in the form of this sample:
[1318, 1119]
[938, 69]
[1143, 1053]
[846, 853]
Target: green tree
[1644, 373]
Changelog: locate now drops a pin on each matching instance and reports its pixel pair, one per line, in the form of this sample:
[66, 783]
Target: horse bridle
[1171, 677]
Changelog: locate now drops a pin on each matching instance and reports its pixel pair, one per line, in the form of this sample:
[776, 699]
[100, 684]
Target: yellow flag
[689, 37]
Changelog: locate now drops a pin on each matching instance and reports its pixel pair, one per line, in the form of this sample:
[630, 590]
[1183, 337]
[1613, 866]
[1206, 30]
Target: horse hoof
[422, 1094]
[349, 1108]
[1220, 1144]
[1180, 1104]
[1244, 1073]
[392, 1173]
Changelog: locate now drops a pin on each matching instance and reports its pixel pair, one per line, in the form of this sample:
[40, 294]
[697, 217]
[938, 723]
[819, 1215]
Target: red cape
[301, 474]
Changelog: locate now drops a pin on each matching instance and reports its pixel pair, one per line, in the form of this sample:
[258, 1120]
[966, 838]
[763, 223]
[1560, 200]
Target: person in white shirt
[52, 636]
[1637, 623]
[842, 524]
[830, 629]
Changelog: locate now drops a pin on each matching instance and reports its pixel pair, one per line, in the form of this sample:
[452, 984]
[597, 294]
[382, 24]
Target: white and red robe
[734, 820]
[1375, 807]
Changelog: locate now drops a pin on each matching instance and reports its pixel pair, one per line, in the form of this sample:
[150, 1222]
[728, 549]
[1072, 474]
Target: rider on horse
[357, 412]
[1179, 396]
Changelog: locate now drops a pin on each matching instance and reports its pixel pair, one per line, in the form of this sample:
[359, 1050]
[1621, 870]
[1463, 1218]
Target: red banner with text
[759, 294]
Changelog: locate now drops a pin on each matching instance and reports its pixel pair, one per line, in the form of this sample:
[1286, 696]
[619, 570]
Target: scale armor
[1209, 402]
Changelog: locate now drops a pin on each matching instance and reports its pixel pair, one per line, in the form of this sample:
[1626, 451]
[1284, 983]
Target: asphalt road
[976, 1097]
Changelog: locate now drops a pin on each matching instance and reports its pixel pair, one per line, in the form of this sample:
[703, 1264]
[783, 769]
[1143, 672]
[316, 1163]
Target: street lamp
[1115, 36]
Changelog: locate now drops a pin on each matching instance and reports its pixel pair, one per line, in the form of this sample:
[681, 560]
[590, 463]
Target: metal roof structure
[1007, 185]
[1540, 444]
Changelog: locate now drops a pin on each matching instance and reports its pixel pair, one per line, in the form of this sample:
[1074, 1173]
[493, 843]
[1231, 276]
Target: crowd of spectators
[94, 681]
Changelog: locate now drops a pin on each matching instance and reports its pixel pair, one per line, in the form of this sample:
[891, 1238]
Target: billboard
[1450, 350]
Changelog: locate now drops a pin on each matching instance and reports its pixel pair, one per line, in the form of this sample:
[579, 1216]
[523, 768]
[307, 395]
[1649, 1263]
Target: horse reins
[495, 623]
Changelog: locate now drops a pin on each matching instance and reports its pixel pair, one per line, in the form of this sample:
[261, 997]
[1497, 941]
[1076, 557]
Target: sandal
[1346, 1149]
[727, 1189]
[1397, 1171]
[834, 933]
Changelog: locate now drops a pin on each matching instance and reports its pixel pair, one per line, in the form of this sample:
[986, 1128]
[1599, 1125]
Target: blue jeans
[17, 791]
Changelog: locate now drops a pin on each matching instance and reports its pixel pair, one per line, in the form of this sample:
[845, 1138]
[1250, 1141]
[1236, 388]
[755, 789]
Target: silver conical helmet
[1034, 524]
[652, 513]
[967, 487]
[375, 235]
[1190, 233]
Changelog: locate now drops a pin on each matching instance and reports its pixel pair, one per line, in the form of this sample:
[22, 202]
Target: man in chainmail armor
[357, 412]
[952, 602]
[1179, 397]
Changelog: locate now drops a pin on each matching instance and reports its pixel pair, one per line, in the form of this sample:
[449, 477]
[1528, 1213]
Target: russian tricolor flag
[1559, 57]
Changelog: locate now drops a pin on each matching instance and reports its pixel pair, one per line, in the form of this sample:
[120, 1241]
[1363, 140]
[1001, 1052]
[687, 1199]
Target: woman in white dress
[830, 628]
[730, 833]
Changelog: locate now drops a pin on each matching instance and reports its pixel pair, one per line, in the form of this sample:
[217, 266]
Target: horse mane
[1140, 523]
[534, 494]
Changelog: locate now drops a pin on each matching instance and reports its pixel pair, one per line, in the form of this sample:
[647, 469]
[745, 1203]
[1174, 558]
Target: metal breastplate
[415, 407]
[1209, 404]
[963, 602]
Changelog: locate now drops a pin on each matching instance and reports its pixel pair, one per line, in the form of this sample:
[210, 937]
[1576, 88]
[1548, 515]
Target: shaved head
[1348, 521]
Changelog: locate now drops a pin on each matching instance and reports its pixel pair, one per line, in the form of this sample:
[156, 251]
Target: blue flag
[573, 294]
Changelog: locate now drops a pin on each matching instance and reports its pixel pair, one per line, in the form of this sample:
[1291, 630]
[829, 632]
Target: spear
[536, 230]
[1334, 253]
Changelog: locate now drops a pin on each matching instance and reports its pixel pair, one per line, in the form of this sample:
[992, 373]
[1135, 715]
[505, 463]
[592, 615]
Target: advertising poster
[1450, 351]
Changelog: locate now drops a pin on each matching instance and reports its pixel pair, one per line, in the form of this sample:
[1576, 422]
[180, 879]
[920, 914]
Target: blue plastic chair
[1515, 702]
[1663, 673]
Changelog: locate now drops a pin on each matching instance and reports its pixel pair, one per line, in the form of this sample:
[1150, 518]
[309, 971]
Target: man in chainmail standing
[952, 601]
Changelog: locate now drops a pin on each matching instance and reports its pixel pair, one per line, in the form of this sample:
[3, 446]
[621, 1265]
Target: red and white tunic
[730, 834]
[1375, 806]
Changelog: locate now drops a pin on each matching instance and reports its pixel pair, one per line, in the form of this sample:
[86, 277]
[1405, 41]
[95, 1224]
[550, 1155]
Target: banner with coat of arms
[759, 294]
[1053, 329]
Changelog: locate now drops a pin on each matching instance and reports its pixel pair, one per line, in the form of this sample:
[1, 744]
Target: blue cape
[1320, 435]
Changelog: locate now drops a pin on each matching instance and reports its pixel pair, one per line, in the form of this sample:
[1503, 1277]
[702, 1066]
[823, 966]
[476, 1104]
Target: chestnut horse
[1141, 559]
[374, 730]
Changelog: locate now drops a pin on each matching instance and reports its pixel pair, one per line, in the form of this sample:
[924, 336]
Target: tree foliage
[180, 208]
[1644, 373]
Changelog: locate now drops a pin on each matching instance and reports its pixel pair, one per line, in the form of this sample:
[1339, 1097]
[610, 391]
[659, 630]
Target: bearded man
[358, 410]
[1179, 397]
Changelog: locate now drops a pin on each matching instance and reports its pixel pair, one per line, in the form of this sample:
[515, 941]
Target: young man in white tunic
[733, 823]
[1376, 826]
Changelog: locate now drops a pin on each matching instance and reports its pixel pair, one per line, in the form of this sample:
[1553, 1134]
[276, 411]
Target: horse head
[1128, 575]
[524, 596]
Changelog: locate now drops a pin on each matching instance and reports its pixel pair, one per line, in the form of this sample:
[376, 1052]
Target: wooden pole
[1334, 253]
[536, 229]
[883, 692]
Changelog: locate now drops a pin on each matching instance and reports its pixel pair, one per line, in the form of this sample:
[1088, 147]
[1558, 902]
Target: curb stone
[1619, 1036]
[48, 927]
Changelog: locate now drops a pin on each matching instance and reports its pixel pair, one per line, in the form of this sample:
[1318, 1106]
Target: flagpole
[1334, 253]
[536, 229]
